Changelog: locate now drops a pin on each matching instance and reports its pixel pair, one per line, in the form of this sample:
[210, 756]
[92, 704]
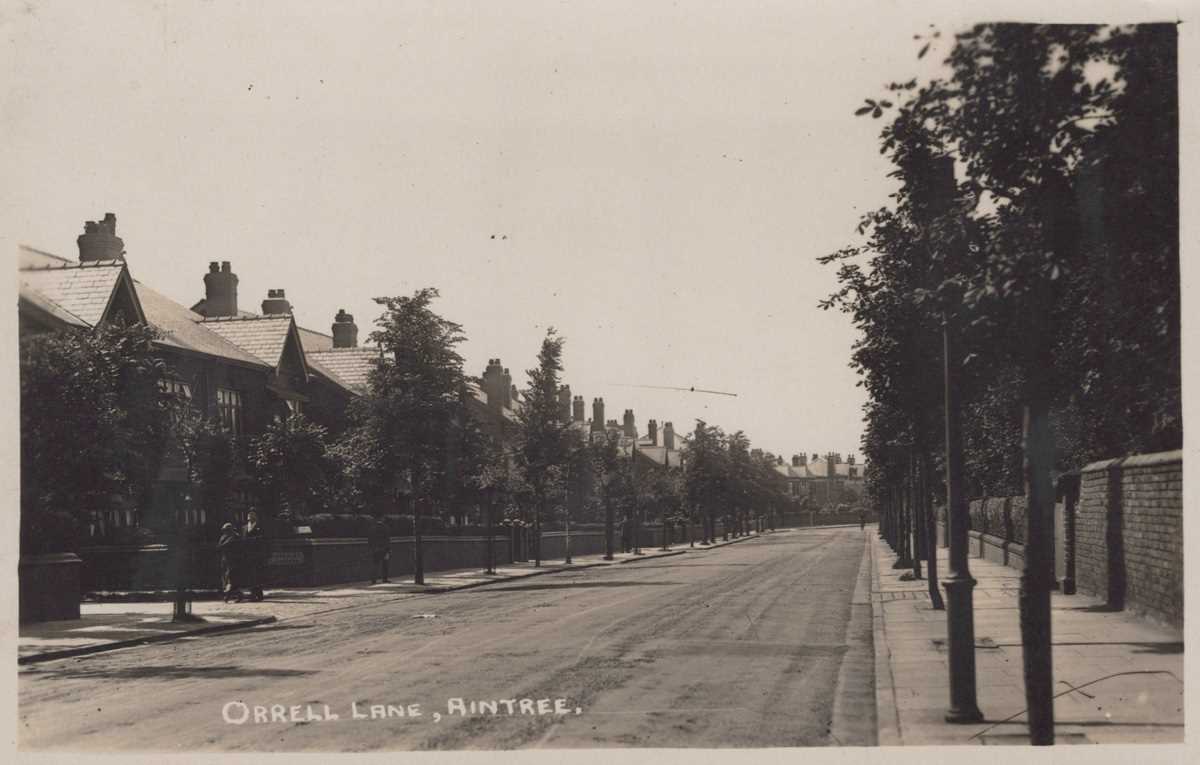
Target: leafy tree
[408, 433]
[706, 473]
[1055, 261]
[292, 467]
[543, 434]
[94, 426]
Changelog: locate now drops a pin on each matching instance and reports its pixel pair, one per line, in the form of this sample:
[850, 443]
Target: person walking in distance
[862, 519]
[228, 546]
[254, 542]
[379, 543]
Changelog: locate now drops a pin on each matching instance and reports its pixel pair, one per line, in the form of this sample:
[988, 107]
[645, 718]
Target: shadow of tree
[570, 585]
[173, 672]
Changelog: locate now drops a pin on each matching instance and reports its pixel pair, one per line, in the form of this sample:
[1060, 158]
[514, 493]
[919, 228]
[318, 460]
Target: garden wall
[1129, 534]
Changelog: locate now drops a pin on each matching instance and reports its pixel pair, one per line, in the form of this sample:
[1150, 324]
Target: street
[761, 643]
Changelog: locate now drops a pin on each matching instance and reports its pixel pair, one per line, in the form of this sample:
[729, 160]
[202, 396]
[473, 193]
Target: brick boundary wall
[1129, 534]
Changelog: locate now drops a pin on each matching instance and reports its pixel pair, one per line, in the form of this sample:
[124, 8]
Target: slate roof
[313, 340]
[80, 290]
[349, 367]
[182, 328]
[263, 337]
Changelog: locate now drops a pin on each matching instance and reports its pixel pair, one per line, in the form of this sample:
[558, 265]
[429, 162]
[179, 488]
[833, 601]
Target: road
[761, 643]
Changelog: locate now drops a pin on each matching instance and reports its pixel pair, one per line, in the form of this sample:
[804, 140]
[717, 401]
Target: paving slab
[1120, 676]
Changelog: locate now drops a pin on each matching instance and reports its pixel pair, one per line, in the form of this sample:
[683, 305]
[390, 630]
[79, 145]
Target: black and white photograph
[688, 379]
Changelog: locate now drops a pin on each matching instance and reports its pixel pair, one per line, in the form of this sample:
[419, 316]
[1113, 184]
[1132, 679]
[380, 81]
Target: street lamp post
[960, 615]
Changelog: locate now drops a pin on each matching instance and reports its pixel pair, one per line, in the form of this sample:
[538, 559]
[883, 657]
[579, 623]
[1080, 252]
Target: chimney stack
[564, 402]
[652, 431]
[493, 384]
[668, 435]
[831, 465]
[220, 290]
[345, 331]
[799, 460]
[630, 427]
[99, 240]
[598, 414]
[577, 409]
[851, 459]
[276, 304]
[509, 389]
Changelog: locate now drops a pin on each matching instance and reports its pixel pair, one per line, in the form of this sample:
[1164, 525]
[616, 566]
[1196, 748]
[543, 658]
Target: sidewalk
[108, 626]
[1089, 643]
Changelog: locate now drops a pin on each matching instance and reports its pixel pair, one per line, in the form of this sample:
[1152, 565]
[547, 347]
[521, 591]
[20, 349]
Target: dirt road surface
[762, 643]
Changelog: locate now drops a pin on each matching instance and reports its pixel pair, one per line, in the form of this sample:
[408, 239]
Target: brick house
[242, 370]
[823, 480]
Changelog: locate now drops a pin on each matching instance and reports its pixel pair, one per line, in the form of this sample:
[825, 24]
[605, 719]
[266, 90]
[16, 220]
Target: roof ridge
[69, 264]
[245, 318]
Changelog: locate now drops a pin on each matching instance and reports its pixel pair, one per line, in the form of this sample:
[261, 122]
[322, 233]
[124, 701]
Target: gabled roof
[314, 341]
[348, 367]
[77, 293]
[184, 329]
[263, 337]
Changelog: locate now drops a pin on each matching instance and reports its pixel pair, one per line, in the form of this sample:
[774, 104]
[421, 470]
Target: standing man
[379, 543]
[255, 556]
[228, 546]
[862, 518]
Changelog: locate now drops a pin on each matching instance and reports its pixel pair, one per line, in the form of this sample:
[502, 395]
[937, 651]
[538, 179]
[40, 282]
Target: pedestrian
[254, 557]
[862, 519]
[228, 545]
[379, 543]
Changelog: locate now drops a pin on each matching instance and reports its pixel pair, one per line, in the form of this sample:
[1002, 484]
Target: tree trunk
[1037, 579]
[537, 532]
[418, 550]
[608, 529]
[491, 543]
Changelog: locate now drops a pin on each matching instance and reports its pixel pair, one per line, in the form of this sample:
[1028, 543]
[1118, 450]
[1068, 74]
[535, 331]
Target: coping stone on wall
[1137, 460]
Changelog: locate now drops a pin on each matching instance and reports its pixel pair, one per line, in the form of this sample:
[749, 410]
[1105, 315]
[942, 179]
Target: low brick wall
[300, 562]
[1129, 534]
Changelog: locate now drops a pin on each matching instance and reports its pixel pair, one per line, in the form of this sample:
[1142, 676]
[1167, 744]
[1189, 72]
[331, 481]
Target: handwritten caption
[241, 713]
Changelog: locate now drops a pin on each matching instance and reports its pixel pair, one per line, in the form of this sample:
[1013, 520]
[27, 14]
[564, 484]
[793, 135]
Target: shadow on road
[173, 672]
[569, 585]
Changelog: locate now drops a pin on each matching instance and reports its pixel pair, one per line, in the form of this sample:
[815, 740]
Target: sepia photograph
[721, 378]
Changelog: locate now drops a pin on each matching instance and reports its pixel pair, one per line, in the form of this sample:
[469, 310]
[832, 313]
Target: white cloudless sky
[666, 175]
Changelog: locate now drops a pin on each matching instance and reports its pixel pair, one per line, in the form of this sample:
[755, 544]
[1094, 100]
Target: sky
[654, 180]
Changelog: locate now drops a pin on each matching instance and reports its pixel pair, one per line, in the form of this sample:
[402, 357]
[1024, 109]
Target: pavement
[762, 643]
[108, 626]
[1119, 677]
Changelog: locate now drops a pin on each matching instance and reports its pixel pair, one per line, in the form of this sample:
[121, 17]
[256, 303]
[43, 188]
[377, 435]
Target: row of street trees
[98, 424]
[1032, 252]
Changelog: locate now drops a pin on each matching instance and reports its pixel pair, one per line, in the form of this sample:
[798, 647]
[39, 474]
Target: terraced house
[241, 369]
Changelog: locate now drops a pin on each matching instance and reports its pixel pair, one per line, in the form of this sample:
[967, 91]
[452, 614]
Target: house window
[176, 388]
[229, 409]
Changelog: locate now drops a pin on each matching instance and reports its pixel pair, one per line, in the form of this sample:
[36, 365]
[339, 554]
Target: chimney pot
[220, 290]
[276, 303]
[345, 331]
[99, 241]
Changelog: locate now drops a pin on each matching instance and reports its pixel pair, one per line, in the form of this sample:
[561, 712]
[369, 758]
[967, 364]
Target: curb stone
[887, 714]
[211, 629]
[219, 628]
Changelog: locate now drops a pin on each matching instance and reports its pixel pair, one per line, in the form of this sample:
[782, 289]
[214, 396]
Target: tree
[408, 432]
[292, 467]
[1055, 261]
[706, 475]
[95, 422]
[543, 434]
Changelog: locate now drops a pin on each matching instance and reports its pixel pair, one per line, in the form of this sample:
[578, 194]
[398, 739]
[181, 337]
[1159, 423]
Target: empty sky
[665, 175]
